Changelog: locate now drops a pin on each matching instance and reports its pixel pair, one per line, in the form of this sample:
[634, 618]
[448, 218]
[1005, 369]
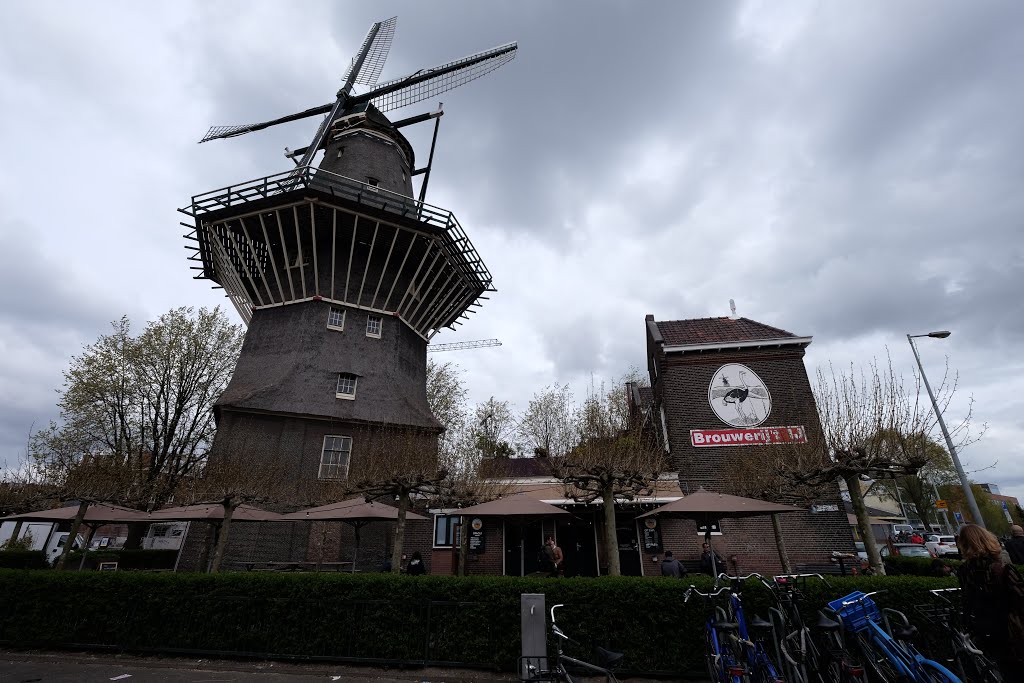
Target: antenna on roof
[732, 308]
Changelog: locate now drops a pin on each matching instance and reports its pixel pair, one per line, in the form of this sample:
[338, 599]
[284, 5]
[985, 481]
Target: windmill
[365, 69]
[341, 275]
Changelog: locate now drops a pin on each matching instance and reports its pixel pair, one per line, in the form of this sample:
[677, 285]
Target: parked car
[907, 550]
[942, 546]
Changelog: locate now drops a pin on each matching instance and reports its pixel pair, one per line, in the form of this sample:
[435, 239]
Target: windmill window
[372, 183]
[336, 319]
[346, 386]
[373, 324]
[335, 457]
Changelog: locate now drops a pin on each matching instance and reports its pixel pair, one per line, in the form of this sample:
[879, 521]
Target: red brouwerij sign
[756, 436]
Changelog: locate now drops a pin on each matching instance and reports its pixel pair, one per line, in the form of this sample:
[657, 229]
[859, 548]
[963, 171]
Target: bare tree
[545, 427]
[397, 464]
[612, 460]
[231, 479]
[872, 425]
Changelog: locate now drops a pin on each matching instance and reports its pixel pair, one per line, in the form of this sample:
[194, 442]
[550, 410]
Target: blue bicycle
[891, 659]
[722, 652]
[763, 669]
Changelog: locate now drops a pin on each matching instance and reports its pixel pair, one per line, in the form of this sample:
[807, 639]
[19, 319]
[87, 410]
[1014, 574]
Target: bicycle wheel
[936, 673]
[877, 662]
[972, 667]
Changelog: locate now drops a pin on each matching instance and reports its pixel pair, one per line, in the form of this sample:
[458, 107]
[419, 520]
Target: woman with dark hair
[993, 600]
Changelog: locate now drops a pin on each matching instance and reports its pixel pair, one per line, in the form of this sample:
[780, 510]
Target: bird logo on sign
[738, 396]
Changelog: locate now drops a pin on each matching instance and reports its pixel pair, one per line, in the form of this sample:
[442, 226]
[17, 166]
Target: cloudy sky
[849, 171]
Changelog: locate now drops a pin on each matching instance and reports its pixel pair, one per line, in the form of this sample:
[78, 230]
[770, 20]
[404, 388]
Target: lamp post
[968, 493]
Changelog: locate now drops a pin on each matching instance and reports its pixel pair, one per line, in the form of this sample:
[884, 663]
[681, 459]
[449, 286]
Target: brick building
[724, 390]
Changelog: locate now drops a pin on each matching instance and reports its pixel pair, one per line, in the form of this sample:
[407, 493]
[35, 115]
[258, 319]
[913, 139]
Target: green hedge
[23, 559]
[380, 617]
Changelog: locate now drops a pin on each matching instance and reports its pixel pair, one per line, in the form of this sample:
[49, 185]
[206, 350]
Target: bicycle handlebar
[753, 575]
[693, 589]
[861, 598]
[553, 608]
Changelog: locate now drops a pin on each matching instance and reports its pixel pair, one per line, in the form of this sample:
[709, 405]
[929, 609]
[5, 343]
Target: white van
[898, 529]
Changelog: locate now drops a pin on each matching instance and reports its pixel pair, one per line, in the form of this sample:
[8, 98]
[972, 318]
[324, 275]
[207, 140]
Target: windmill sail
[427, 83]
[217, 132]
[375, 48]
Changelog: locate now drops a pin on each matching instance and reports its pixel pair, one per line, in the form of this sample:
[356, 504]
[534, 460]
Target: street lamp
[968, 493]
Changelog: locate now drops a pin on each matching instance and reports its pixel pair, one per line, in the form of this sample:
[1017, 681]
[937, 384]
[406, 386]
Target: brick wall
[680, 382]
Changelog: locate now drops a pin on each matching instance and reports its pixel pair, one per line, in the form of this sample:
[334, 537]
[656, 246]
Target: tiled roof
[717, 330]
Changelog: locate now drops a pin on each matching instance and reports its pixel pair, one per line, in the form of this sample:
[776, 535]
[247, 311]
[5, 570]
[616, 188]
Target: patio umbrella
[96, 515]
[214, 513]
[708, 506]
[519, 505]
[356, 512]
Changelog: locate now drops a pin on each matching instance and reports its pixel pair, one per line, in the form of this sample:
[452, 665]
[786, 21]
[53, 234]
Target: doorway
[523, 541]
[629, 546]
[576, 539]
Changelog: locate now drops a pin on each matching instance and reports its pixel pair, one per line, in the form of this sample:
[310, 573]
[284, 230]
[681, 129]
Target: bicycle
[762, 666]
[971, 662]
[809, 653]
[891, 657]
[557, 673]
[724, 663]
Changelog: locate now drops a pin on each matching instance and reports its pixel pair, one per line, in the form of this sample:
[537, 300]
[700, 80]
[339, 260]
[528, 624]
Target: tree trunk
[222, 537]
[89, 531]
[136, 532]
[611, 538]
[780, 544]
[463, 546]
[863, 523]
[75, 526]
[16, 533]
[919, 499]
[396, 552]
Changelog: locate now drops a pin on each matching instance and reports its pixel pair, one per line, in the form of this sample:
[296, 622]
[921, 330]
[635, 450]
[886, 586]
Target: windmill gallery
[343, 278]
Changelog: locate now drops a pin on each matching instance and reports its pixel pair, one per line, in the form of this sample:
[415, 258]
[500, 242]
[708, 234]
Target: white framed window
[346, 386]
[373, 324]
[335, 457]
[445, 535]
[336, 319]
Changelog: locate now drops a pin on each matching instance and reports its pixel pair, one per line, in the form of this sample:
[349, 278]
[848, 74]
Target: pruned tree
[873, 425]
[145, 402]
[231, 479]
[545, 427]
[399, 464]
[611, 460]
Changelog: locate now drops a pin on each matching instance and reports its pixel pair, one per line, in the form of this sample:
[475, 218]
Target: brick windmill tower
[340, 273]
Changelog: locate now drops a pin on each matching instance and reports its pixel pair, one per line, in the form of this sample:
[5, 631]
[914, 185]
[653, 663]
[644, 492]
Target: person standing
[1015, 546]
[993, 599]
[554, 555]
[706, 564]
[670, 566]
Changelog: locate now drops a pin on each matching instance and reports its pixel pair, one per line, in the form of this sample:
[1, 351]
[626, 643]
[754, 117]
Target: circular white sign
[738, 396]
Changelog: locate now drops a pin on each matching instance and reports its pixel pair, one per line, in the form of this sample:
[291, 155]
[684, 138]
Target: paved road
[37, 667]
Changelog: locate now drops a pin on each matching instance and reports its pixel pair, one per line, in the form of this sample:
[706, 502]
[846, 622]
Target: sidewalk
[85, 667]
